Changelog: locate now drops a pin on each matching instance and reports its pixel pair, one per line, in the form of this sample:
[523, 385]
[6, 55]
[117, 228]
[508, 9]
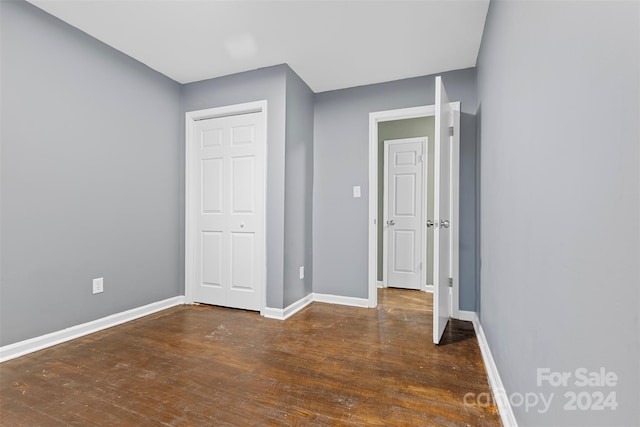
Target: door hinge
[450, 130]
[451, 282]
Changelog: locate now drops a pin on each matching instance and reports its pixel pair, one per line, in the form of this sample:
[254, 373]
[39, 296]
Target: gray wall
[559, 92]
[270, 84]
[298, 189]
[341, 135]
[398, 129]
[90, 178]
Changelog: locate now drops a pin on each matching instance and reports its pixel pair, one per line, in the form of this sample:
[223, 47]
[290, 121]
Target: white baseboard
[21, 348]
[428, 288]
[468, 316]
[381, 284]
[285, 313]
[495, 382]
[337, 299]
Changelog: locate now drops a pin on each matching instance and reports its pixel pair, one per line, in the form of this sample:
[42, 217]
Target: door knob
[242, 225]
[429, 223]
[391, 222]
[444, 223]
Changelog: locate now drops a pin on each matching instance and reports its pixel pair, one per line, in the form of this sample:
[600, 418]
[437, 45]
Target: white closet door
[228, 163]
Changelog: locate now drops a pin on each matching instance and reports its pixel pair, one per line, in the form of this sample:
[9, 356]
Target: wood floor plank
[201, 365]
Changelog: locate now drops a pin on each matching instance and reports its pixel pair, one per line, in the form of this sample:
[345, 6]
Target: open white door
[442, 230]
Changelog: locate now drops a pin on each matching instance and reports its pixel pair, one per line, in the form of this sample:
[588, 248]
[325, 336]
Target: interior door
[442, 230]
[404, 204]
[228, 191]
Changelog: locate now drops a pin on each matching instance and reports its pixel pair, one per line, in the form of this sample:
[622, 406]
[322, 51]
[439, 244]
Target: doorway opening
[403, 216]
[377, 120]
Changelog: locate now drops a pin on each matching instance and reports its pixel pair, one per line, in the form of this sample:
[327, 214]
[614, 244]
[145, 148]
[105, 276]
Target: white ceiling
[331, 44]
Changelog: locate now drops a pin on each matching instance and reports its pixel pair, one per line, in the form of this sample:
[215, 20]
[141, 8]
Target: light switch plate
[356, 191]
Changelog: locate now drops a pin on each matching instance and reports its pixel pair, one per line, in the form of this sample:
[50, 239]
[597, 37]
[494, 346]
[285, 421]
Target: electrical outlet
[356, 191]
[98, 285]
[302, 272]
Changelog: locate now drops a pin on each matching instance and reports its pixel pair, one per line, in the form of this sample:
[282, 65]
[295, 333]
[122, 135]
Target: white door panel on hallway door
[404, 169]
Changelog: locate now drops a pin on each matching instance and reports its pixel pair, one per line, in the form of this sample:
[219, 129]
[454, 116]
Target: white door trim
[191, 118]
[454, 211]
[385, 210]
[410, 113]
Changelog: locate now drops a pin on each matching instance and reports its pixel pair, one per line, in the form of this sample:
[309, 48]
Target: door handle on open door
[429, 223]
[444, 223]
[391, 222]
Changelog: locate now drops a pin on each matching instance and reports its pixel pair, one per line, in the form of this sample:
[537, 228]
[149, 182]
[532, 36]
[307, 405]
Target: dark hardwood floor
[211, 366]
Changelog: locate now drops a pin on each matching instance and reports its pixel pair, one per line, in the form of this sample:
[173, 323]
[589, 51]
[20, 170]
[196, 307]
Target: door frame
[191, 117]
[424, 140]
[376, 118]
